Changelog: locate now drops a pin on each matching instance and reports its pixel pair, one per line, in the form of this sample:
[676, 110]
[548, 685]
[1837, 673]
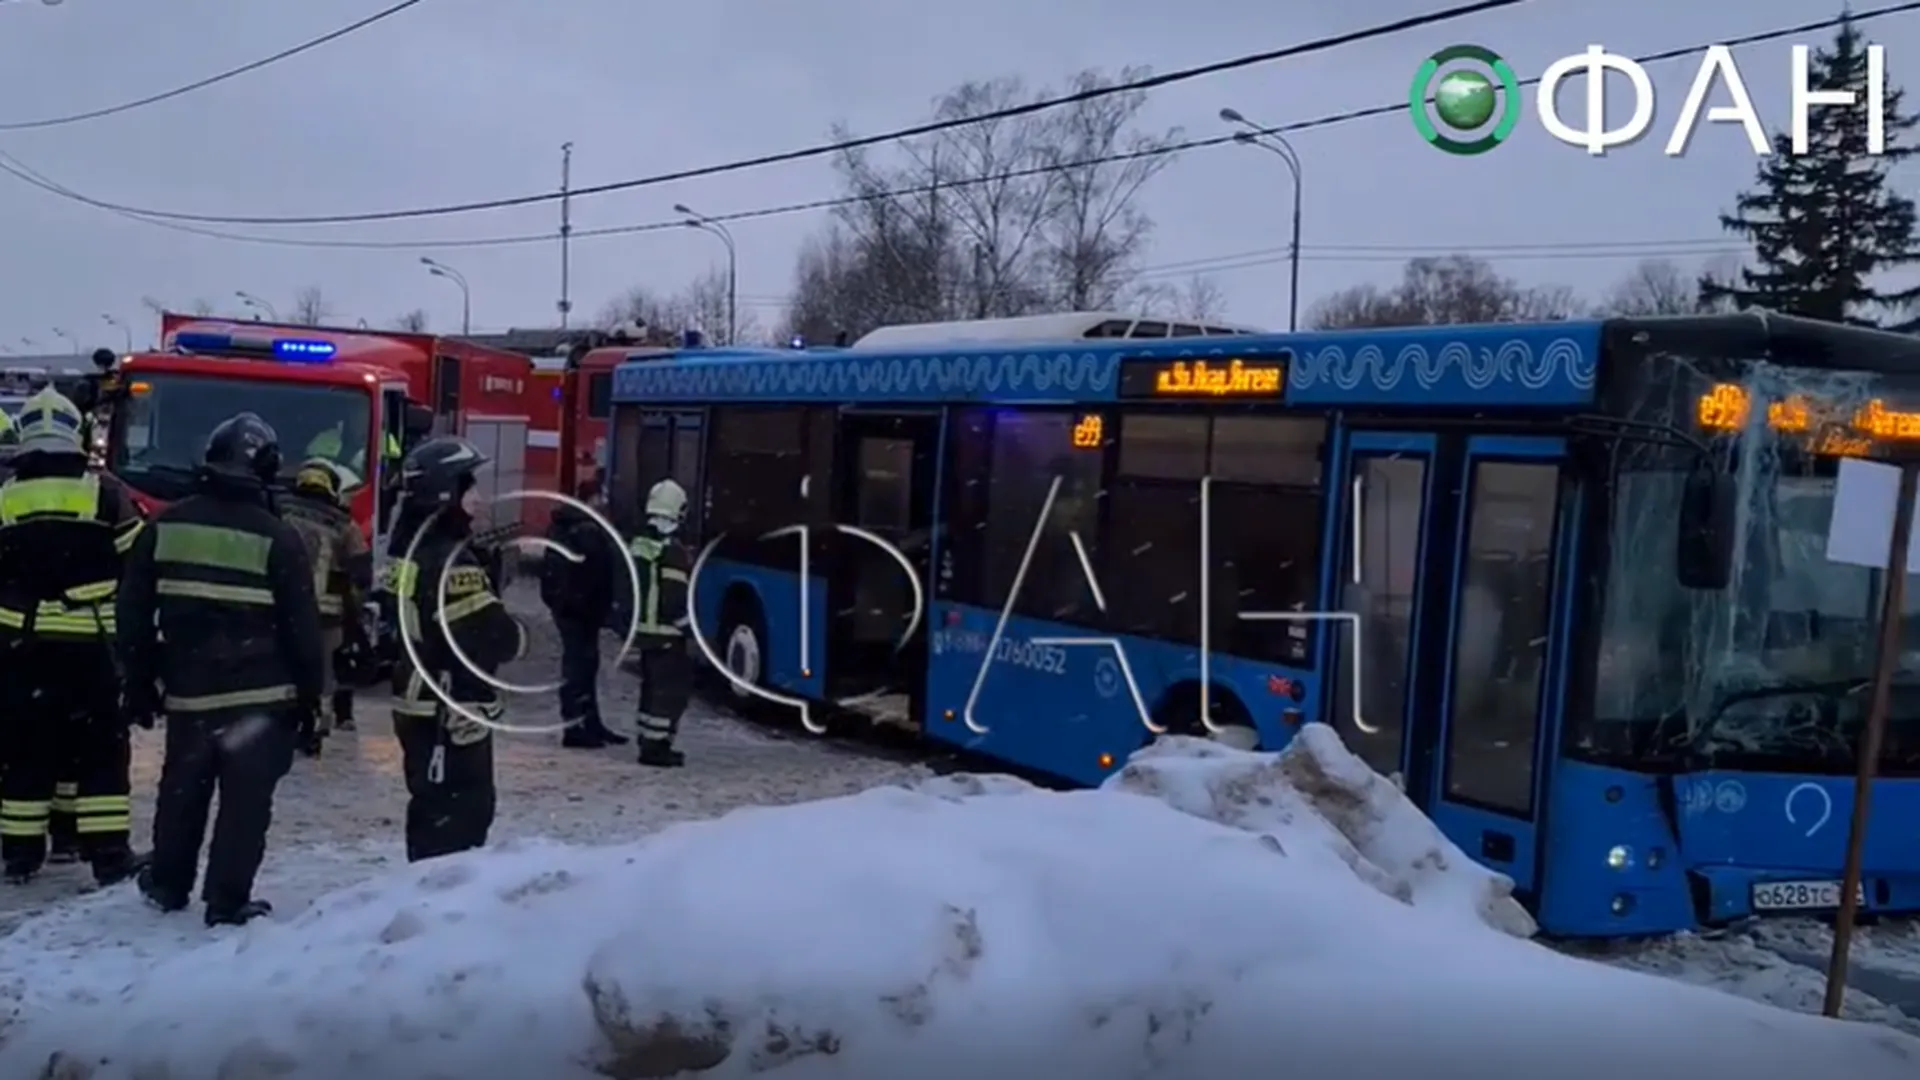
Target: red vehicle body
[337, 393]
[571, 401]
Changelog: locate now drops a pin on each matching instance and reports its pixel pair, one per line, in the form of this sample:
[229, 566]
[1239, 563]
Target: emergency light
[288, 350]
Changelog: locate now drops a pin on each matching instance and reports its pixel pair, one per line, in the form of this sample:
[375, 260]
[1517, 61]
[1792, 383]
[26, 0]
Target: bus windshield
[1772, 672]
[161, 429]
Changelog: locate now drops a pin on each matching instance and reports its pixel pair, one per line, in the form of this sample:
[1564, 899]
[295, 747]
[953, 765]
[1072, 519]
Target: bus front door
[1457, 561]
[884, 479]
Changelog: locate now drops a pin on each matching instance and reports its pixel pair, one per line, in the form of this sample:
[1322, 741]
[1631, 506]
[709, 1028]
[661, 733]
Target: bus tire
[742, 647]
[1179, 714]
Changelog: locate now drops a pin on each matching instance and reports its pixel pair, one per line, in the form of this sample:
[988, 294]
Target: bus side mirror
[418, 422]
[1705, 542]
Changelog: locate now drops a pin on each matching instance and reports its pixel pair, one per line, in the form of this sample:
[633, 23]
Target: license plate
[1800, 895]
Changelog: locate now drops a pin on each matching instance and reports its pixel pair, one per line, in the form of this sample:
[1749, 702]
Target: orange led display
[1235, 378]
[1090, 432]
[1726, 408]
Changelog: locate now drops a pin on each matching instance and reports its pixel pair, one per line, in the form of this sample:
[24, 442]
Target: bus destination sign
[1262, 379]
[1823, 428]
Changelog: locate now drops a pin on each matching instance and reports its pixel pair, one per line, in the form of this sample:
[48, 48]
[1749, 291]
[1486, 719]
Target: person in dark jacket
[64, 762]
[219, 629]
[342, 574]
[666, 671]
[443, 711]
[579, 574]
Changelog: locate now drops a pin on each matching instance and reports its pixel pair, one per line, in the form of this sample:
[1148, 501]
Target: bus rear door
[1458, 554]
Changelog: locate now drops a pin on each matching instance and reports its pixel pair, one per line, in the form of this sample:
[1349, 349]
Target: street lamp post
[68, 338]
[439, 269]
[1274, 143]
[124, 329]
[697, 220]
[258, 304]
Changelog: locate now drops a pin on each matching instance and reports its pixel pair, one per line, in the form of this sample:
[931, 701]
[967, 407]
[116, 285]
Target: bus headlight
[1619, 857]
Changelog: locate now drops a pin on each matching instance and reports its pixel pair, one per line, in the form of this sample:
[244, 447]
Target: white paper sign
[1862, 527]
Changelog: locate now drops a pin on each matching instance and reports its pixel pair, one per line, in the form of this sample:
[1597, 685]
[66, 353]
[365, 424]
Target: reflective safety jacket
[342, 563]
[63, 539]
[217, 608]
[663, 567]
[434, 621]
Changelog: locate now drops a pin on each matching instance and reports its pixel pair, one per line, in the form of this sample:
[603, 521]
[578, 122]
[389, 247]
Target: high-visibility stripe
[238, 699]
[67, 496]
[129, 532]
[25, 817]
[95, 824]
[467, 608]
[203, 590]
[98, 592]
[212, 546]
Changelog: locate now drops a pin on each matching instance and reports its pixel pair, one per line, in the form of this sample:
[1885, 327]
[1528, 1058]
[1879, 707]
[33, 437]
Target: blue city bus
[1602, 645]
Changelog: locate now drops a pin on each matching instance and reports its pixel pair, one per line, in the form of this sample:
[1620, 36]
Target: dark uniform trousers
[447, 752]
[64, 748]
[241, 756]
[666, 671]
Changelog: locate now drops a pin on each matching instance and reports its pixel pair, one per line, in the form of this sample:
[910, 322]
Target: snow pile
[982, 929]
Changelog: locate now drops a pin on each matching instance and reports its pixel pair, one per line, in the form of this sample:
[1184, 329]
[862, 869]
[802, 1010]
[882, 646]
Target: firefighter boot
[113, 867]
[166, 900]
[660, 754]
[343, 709]
[21, 871]
[238, 915]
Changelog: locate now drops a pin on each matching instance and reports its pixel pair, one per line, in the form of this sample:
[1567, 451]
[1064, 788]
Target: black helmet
[244, 446]
[438, 471]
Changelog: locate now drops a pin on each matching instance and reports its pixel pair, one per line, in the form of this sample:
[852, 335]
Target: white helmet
[666, 506]
[50, 423]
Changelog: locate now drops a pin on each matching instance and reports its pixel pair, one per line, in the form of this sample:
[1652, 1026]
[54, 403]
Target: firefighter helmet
[50, 424]
[437, 472]
[666, 505]
[319, 476]
[243, 446]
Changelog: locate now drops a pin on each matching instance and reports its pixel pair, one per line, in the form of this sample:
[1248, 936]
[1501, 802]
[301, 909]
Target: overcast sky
[469, 99]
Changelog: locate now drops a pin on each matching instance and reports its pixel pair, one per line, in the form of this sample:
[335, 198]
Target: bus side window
[1153, 526]
[1266, 532]
[1031, 449]
[964, 549]
[754, 475]
[689, 437]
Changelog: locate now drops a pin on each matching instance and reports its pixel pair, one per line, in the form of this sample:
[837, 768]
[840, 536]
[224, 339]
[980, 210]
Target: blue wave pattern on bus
[1551, 365]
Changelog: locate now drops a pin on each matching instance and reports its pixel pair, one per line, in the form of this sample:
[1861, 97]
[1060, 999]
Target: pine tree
[1824, 223]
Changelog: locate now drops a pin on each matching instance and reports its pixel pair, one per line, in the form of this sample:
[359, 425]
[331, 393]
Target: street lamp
[438, 269]
[258, 304]
[111, 321]
[1274, 143]
[697, 220]
[29, 343]
[68, 338]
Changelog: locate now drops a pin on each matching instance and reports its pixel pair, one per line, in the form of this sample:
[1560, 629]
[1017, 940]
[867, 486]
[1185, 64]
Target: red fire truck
[570, 401]
[348, 395]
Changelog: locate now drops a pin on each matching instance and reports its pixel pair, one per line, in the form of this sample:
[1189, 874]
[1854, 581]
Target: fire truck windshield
[161, 429]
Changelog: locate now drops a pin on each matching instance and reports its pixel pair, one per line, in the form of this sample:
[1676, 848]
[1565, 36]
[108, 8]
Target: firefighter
[580, 573]
[342, 574]
[666, 672]
[220, 630]
[443, 599]
[63, 538]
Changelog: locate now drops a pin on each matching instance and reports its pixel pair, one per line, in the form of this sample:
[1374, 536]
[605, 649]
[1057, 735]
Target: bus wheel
[1232, 724]
[743, 648]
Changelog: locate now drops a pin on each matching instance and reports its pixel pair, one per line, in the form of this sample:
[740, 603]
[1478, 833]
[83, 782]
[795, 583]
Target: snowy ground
[62, 952]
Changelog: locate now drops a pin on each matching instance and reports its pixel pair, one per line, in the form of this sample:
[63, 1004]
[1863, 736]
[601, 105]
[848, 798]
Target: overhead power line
[211, 80]
[820, 150]
[26, 174]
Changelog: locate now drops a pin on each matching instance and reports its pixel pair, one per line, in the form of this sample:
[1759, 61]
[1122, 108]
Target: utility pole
[566, 233]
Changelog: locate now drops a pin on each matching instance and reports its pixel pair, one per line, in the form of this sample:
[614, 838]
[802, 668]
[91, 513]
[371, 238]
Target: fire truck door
[383, 472]
[504, 441]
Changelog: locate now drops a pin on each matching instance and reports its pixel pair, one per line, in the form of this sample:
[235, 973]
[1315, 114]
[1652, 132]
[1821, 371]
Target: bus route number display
[1262, 379]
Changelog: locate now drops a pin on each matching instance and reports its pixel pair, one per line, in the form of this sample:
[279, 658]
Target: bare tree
[1197, 299]
[310, 307]
[1444, 290]
[1655, 287]
[1004, 216]
[414, 321]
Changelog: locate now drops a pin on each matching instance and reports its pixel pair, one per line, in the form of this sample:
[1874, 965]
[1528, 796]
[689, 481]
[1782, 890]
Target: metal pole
[698, 220]
[1893, 590]
[124, 329]
[566, 232]
[440, 269]
[1275, 143]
